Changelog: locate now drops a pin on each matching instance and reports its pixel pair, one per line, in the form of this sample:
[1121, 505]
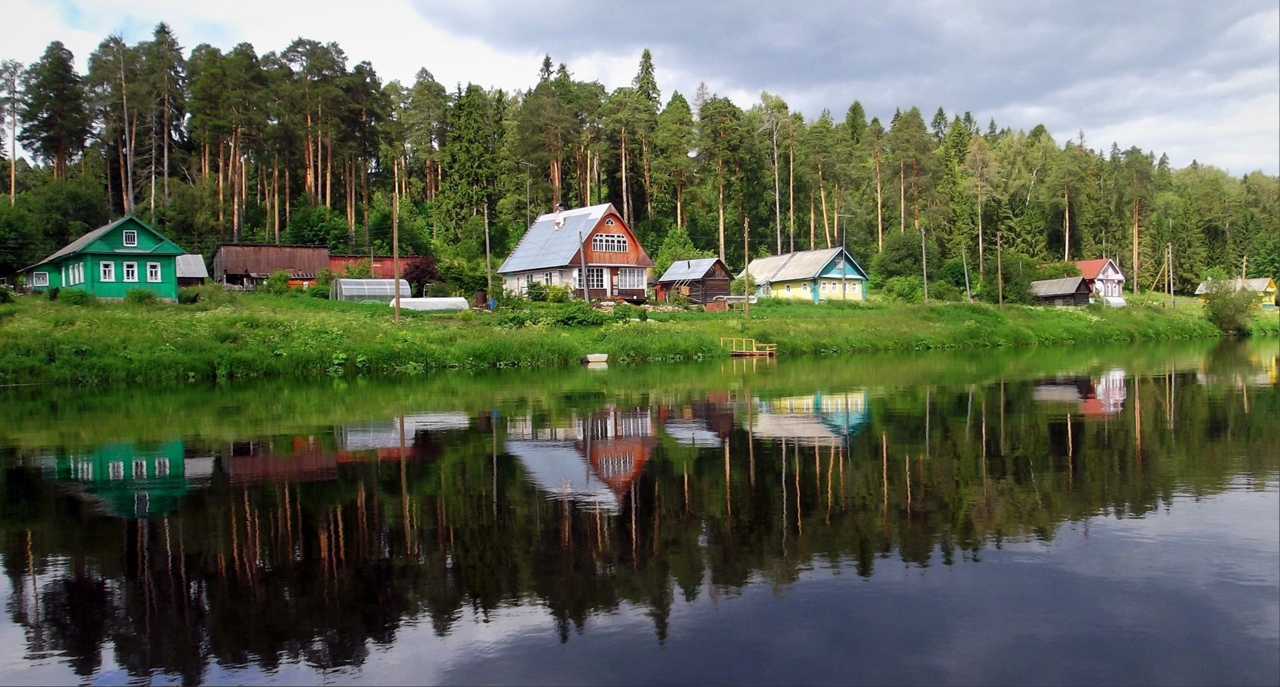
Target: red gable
[1090, 269]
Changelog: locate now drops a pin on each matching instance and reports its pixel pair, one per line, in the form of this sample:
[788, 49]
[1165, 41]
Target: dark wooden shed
[701, 281]
[1065, 291]
[246, 266]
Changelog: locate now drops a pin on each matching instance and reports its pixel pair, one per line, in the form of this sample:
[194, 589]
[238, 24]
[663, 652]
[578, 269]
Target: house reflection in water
[589, 459]
[1096, 396]
[699, 424]
[816, 419]
[127, 480]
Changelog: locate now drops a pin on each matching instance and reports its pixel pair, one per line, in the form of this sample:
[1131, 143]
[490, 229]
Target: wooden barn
[382, 265]
[1066, 291]
[560, 246]
[241, 266]
[700, 281]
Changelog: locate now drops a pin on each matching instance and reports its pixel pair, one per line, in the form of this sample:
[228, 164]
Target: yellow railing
[744, 346]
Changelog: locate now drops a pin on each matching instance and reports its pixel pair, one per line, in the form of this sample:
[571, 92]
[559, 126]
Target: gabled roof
[1066, 286]
[1258, 284]
[805, 264]
[545, 245]
[89, 237]
[191, 266]
[1090, 269]
[686, 270]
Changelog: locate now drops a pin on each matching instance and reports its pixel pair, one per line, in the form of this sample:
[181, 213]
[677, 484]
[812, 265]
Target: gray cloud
[1155, 68]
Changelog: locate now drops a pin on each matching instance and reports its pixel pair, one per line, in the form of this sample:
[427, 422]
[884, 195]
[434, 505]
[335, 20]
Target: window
[609, 243]
[131, 271]
[788, 288]
[806, 286]
[130, 238]
[162, 467]
[40, 279]
[631, 279]
[139, 469]
[107, 271]
[608, 222]
[116, 469]
[153, 271]
[595, 278]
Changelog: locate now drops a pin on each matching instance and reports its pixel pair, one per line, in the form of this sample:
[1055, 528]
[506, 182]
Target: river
[1037, 516]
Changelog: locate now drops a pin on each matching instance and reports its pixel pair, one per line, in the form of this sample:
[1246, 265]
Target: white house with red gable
[1104, 278]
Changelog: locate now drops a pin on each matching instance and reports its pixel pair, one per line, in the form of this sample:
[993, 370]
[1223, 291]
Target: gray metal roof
[191, 266]
[1065, 286]
[805, 264]
[686, 270]
[1258, 284]
[546, 246]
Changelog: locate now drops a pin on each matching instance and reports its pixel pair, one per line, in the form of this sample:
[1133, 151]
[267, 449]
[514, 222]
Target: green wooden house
[110, 261]
[127, 480]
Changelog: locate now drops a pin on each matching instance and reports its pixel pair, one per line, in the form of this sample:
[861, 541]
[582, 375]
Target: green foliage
[676, 246]
[1018, 272]
[624, 313]
[74, 297]
[6, 295]
[577, 314]
[277, 283]
[360, 269]
[1056, 270]
[904, 289]
[901, 258]
[536, 292]
[1227, 308]
[558, 293]
[140, 297]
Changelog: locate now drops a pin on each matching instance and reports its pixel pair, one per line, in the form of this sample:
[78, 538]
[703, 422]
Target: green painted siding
[148, 263]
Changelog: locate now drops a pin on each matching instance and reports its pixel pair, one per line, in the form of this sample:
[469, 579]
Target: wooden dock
[740, 347]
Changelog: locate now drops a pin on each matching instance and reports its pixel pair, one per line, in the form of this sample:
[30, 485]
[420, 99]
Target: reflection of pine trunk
[799, 512]
[728, 497]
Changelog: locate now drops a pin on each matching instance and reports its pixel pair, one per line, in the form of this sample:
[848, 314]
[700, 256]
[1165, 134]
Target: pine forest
[300, 147]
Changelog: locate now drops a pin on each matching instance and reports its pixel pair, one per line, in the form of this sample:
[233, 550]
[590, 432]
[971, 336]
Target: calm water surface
[1032, 517]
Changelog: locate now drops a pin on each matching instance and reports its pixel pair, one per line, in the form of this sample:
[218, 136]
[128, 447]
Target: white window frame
[609, 243]
[806, 286]
[631, 278]
[129, 237]
[106, 271]
[153, 272]
[595, 278]
[39, 278]
[130, 271]
[788, 288]
[139, 468]
[115, 469]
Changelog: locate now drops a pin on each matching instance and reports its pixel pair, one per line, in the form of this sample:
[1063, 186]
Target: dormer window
[609, 243]
[130, 238]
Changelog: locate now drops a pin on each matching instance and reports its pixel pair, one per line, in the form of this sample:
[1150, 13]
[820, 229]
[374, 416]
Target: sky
[1190, 79]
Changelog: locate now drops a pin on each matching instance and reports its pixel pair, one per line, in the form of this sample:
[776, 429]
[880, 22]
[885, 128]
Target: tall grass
[222, 337]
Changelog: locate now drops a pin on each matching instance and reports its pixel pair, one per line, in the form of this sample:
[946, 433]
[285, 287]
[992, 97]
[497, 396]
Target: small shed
[366, 290]
[1063, 292]
[432, 304]
[191, 270]
[701, 281]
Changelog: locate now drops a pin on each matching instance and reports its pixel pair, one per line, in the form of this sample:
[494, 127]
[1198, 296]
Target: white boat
[595, 358]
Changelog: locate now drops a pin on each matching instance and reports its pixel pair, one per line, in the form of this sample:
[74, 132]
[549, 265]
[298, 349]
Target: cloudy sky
[1192, 79]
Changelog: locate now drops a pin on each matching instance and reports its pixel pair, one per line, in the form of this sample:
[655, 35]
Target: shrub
[536, 292]
[277, 283]
[904, 289]
[317, 291]
[76, 297]
[6, 296]
[1227, 308]
[558, 293]
[624, 313]
[140, 297]
[212, 293]
[576, 314]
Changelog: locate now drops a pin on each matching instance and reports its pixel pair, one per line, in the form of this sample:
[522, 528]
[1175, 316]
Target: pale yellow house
[1265, 287]
[816, 275]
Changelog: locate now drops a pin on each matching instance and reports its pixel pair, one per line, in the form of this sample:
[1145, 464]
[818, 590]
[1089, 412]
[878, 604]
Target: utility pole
[999, 270]
[395, 236]
[488, 261]
[746, 261]
[924, 266]
[968, 294]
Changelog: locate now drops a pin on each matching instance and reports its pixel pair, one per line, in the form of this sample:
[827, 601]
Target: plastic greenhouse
[382, 290]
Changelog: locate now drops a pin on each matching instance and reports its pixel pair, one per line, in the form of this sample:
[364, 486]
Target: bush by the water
[1227, 308]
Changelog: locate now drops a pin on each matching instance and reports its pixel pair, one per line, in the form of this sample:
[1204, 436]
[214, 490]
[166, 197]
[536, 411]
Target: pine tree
[55, 118]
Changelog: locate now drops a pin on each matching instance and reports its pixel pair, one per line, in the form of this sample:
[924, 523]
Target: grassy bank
[259, 336]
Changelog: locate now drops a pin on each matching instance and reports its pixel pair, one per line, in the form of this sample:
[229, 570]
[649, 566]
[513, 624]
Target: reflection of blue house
[812, 418]
[130, 480]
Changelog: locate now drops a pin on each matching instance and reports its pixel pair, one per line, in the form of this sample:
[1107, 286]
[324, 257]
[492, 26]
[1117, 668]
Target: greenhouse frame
[381, 290]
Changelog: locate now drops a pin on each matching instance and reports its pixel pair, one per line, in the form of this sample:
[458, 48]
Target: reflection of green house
[110, 261]
[812, 418]
[127, 480]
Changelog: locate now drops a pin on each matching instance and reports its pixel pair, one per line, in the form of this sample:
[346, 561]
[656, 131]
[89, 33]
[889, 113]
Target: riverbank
[260, 336]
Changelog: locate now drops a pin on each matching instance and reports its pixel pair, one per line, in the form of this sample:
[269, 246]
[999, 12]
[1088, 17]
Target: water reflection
[324, 544]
